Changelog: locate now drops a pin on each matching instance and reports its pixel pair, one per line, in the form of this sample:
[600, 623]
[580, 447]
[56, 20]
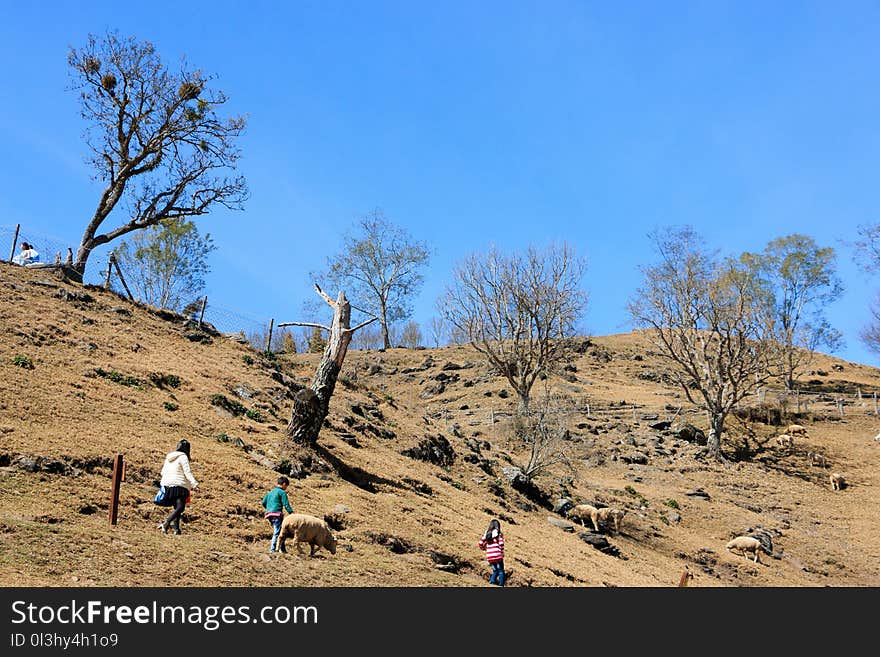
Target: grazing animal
[606, 514]
[306, 529]
[817, 459]
[837, 481]
[796, 430]
[746, 544]
[785, 440]
[877, 438]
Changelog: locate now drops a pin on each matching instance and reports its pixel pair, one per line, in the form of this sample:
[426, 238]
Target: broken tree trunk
[311, 405]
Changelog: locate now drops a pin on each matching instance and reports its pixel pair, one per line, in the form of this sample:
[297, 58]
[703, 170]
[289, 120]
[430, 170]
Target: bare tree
[438, 329]
[870, 335]
[800, 280]
[370, 337]
[411, 335]
[156, 139]
[311, 405]
[518, 310]
[543, 432]
[867, 256]
[707, 320]
[380, 268]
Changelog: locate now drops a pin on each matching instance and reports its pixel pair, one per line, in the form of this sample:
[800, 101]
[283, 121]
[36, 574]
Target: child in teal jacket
[275, 502]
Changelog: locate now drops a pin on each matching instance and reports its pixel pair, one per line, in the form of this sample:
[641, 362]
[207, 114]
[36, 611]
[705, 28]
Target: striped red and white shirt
[494, 549]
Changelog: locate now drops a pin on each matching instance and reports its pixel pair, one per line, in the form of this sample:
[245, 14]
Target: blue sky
[511, 123]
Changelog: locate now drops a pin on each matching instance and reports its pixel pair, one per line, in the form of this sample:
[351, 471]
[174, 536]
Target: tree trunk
[716, 426]
[383, 319]
[311, 405]
[523, 405]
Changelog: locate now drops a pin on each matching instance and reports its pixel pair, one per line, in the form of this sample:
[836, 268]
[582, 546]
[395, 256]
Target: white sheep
[837, 481]
[746, 544]
[306, 529]
[584, 511]
[796, 429]
[877, 438]
[785, 440]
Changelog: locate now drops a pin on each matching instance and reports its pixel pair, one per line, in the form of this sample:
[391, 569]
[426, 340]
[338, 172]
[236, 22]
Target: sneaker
[162, 528]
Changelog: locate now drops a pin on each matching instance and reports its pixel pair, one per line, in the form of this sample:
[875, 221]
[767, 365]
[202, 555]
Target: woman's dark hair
[283, 480]
[183, 446]
[493, 525]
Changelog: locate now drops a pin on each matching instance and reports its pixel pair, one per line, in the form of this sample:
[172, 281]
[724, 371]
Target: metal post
[14, 242]
[202, 313]
[118, 475]
[269, 337]
[875, 402]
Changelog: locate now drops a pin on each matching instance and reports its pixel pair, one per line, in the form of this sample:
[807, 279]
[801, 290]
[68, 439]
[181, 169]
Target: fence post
[118, 476]
[269, 337]
[797, 396]
[109, 269]
[202, 312]
[14, 242]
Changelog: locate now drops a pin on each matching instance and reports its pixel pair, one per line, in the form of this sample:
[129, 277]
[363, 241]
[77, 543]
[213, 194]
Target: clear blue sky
[473, 123]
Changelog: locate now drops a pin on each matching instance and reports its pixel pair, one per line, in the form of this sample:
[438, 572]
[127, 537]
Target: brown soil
[83, 378]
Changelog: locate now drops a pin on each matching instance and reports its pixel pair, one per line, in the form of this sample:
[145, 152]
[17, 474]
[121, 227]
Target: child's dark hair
[283, 480]
[183, 446]
[493, 526]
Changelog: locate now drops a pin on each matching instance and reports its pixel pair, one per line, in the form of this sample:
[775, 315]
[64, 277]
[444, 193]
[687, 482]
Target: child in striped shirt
[493, 544]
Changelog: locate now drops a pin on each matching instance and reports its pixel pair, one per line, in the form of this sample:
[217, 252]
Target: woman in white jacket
[178, 480]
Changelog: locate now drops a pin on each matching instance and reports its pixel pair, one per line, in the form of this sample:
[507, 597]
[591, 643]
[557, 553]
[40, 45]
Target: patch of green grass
[120, 378]
[672, 504]
[457, 484]
[234, 407]
[248, 359]
[170, 406]
[636, 494]
[161, 380]
[223, 438]
[255, 415]
[23, 361]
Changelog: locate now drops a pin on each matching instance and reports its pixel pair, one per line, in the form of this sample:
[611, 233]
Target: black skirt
[175, 492]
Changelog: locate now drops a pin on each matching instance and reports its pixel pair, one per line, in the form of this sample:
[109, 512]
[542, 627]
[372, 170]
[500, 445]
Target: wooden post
[14, 242]
[269, 337]
[875, 402]
[685, 576]
[119, 271]
[118, 475]
[797, 396]
[202, 312]
[109, 269]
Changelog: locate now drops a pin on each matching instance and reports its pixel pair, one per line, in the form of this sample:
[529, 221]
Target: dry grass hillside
[85, 375]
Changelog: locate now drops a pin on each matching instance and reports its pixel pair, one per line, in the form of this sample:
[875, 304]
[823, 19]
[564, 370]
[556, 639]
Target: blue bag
[161, 498]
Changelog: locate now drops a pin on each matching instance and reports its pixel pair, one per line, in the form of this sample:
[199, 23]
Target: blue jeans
[276, 531]
[497, 573]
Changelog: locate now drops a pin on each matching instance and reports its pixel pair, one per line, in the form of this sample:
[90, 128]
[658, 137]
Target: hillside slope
[85, 375]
